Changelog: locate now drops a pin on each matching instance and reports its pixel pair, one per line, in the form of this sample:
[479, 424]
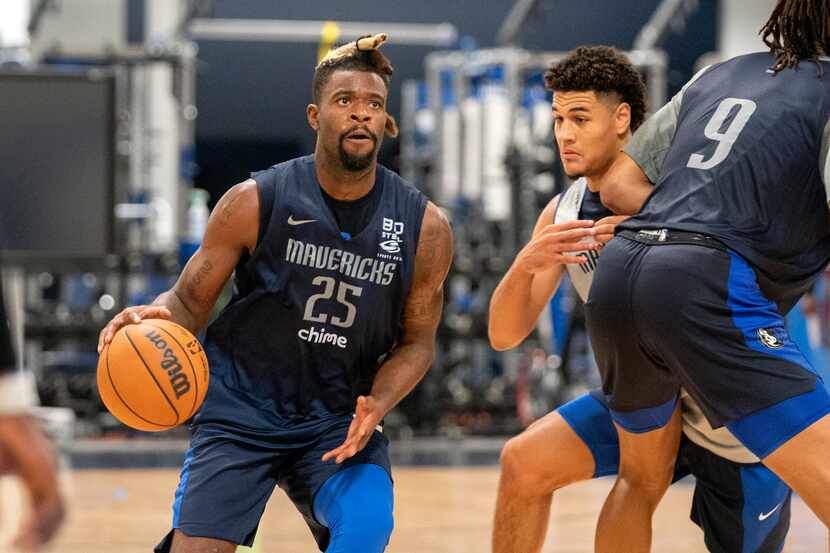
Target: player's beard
[356, 163]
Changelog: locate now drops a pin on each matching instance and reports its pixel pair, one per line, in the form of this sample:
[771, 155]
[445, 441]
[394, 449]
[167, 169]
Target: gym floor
[437, 510]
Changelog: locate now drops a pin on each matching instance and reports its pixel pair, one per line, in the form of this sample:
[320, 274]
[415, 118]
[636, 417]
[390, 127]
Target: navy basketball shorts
[226, 480]
[662, 315]
[741, 507]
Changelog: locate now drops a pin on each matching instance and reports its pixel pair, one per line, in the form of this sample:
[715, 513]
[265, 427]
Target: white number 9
[725, 139]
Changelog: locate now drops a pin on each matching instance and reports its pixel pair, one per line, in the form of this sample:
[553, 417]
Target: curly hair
[797, 30]
[603, 70]
[361, 55]
[351, 57]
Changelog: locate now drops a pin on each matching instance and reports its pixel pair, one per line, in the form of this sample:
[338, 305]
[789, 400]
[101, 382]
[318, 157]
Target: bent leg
[647, 462]
[802, 463]
[222, 492]
[576, 443]
[792, 438]
[356, 506]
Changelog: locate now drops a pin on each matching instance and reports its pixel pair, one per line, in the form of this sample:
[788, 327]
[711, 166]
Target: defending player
[338, 292]
[693, 291]
[24, 450]
[599, 97]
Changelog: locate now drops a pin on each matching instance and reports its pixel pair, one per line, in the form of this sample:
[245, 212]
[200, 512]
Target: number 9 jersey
[740, 154]
[314, 310]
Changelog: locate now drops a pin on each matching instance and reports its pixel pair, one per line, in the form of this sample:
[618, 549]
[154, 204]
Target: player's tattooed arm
[412, 357]
[232, 229]
[424, 304]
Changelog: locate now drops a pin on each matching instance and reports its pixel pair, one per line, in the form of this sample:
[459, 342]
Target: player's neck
[595, 180]
[339, 183]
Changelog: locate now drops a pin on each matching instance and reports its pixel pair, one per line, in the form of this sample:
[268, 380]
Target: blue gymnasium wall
[252, 96]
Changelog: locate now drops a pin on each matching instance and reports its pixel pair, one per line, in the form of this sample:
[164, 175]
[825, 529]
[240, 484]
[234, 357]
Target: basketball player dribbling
[599, 99]
[338, 290]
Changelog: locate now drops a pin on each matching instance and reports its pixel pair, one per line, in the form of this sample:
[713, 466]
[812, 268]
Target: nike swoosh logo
[763, 516]
[292, 221]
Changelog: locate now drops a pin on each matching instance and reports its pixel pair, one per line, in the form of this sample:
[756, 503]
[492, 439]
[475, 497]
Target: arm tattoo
[193, 284]
[203, 272]
[431, 266]
[420, 307]
[228, 207]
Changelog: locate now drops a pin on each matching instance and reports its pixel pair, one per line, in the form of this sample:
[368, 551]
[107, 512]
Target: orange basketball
[153, 376]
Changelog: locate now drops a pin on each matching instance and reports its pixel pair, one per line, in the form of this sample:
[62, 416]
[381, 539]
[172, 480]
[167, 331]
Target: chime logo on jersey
[391, 235]
[322, 336]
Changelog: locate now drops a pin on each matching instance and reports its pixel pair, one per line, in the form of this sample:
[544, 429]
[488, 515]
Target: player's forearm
[181, 314]
[404, 368]
[512, 311]
[626, 198]
[625, 187]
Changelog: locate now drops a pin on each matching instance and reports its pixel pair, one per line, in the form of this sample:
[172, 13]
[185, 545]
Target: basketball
[153, 376]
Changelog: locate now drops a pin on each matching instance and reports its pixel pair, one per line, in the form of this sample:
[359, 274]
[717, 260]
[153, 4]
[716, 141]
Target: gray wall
[252, 96]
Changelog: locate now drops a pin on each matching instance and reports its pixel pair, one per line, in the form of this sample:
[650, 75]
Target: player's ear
[622, 118]
[391, 126]
[312, 113]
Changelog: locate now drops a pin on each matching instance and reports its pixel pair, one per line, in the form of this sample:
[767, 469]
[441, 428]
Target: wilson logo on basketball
[171, 364]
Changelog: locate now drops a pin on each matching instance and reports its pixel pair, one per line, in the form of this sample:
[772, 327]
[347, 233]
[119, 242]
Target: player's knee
[356, 504]
[511, 457]
[650, 485]
[514, 468]
[364, 530]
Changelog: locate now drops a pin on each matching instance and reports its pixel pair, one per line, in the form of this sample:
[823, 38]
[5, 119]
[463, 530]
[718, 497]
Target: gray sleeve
[824, 159]
[651, 142]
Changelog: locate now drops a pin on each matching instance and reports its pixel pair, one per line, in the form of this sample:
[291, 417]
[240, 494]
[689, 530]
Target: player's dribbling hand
[367, 415]
[551, 246]
[604, 228]
[28, 454]
[130, 315]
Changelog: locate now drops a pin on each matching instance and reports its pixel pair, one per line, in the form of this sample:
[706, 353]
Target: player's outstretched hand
[552, 245]
[366, 418]
[28, 454]
[604, 228]
[131, 315]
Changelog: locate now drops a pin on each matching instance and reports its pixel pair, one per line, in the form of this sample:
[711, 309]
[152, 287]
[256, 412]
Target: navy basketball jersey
[740, 154]
[314, 310]
[579, 202]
